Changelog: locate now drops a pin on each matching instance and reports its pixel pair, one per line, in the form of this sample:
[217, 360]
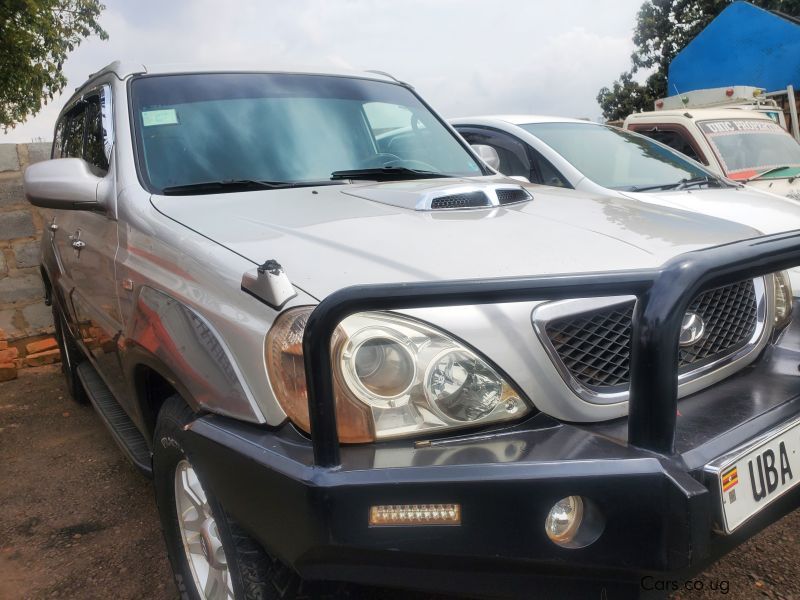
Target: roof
[743, 45]
[521, 119]
[126, 69]
[699, 114]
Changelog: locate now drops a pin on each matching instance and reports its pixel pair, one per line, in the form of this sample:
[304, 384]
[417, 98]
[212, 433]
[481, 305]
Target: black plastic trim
[122, 428]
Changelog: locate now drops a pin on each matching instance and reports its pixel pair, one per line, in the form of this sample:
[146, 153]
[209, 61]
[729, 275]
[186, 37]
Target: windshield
[748, 147]
[615, 158]
[283, 128]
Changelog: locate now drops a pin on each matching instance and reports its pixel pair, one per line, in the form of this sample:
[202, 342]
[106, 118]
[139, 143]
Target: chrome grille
[730, 316]
[595, 346]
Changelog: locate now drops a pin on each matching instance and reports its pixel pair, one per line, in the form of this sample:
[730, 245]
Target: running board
[123, 430]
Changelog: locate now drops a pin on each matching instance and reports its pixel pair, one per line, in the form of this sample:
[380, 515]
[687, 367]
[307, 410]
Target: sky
[465, 57]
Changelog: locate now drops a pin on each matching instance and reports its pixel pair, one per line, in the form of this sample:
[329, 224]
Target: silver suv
[350, 353]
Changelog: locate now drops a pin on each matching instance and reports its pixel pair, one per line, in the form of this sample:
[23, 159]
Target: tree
[663, 29]
[35, 38]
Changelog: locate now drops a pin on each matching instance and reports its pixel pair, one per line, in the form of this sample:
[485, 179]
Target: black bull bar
[663, 294]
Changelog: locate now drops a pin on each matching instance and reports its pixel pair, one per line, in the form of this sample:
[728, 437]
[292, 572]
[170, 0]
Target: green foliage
[663, 29]
[35, 38]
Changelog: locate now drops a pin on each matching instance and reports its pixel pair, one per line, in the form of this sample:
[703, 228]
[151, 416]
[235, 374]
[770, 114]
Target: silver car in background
[347, 352]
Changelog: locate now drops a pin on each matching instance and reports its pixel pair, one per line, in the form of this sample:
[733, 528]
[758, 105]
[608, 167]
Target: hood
[329, 237]
[766, 212]
[782, 186]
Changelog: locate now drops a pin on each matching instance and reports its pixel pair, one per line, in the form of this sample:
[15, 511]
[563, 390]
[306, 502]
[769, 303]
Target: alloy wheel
[200, 535]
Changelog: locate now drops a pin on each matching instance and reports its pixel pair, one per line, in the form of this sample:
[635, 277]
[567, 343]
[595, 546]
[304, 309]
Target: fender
[182, 346]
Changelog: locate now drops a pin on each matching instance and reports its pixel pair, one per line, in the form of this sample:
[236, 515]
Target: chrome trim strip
[689, 381]
[716, 466]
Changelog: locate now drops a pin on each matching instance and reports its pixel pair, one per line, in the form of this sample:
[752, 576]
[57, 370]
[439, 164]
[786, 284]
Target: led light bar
[391, 515]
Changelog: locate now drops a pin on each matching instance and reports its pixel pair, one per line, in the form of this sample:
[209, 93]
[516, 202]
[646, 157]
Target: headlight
[783, 299]
[393, 377]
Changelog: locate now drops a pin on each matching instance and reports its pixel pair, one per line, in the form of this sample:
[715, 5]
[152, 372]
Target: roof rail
[390, 76]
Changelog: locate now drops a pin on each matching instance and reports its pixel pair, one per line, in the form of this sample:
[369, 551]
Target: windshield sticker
[739, 126]
[162, 116]
[752, 148]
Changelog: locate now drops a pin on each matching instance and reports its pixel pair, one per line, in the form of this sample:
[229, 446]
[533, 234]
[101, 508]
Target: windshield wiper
[648, 188]
[680, 185]
[233, 185]
[700, 180]
[379, 173]
[767, 172]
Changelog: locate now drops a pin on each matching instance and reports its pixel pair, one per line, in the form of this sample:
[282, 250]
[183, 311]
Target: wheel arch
[153, 384]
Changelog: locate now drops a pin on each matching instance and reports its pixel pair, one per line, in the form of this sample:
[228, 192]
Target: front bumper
[660, 510]
[308, 501]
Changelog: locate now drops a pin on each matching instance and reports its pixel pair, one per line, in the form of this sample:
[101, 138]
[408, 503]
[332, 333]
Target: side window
[672, 138]
[384, 118]
[396, 130]
[513, 157]
[58, 140]
[411, 135]
[73, 133]
[82, 132]
[546, 173]
[94, 151]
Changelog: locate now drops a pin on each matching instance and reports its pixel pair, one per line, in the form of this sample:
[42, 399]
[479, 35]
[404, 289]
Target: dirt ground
[77, 521]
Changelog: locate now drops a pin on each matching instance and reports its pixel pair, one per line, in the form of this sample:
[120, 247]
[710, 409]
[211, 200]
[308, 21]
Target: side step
[116, 419]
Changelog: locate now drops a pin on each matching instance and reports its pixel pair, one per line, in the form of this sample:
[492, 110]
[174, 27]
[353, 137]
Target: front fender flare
[176, 341]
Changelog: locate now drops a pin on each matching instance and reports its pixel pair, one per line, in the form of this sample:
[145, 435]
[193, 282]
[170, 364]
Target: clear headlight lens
[462, 388]
[783, 299]
[393, 377]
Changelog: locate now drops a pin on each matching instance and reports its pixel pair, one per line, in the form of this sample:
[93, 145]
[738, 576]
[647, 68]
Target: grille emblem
[692, 329]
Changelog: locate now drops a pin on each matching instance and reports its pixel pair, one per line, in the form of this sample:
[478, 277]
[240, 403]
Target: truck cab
[747, 146]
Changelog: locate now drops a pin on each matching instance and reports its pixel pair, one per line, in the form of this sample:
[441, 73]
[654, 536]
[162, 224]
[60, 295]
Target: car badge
[692, 329]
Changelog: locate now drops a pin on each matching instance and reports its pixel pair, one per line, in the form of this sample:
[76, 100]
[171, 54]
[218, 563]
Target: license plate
[753, 480]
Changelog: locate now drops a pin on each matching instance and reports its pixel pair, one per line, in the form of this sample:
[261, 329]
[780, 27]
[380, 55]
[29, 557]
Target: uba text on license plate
[751, 481]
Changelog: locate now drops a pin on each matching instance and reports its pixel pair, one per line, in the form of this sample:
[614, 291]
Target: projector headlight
[783, 299]
[393, 377]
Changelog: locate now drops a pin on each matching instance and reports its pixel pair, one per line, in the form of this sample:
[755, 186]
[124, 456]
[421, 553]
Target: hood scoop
[439, 196]
[463, 200]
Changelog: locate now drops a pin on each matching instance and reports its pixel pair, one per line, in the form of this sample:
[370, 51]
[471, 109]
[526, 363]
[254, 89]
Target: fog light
[564, 520]
[414, 514]
[574, 522]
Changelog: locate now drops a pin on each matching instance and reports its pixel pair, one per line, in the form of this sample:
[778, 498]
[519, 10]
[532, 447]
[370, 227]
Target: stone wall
[22, 310]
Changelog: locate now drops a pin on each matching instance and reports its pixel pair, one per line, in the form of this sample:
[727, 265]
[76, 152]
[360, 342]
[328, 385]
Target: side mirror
[488, 155]
[63, 183]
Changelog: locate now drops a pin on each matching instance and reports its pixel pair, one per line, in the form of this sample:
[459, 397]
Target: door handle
[76, 241]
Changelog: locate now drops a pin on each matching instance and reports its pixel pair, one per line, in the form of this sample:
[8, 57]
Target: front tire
[211, 555]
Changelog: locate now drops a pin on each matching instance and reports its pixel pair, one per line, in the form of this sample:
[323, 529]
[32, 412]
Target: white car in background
[602, 159]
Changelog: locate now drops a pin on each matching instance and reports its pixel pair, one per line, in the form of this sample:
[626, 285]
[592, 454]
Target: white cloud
[464, 56]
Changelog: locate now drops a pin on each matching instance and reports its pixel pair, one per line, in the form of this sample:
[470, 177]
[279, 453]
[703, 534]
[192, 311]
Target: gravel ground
[77, 521]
